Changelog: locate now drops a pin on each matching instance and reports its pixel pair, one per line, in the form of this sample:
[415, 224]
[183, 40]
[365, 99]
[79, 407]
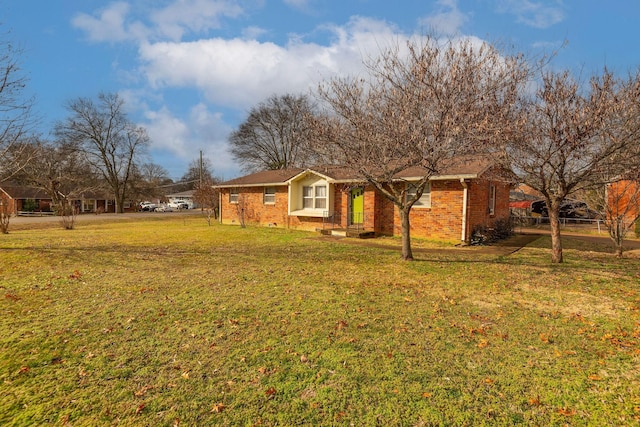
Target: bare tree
[106, 137]
[569, 134]
[618, 204]
[208, 198]
[15, 110]
[199, 171]
[274, 135]
[148, 181]
[59, 170]
[419, 107]
[5, 213]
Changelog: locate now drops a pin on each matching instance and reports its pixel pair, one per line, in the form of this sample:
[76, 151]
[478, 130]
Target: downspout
[220, 207]
[465, 188]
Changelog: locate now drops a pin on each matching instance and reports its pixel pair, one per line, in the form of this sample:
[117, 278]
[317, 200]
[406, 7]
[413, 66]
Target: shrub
[500, 229]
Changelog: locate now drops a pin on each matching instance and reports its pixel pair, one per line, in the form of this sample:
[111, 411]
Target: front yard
[166, 321]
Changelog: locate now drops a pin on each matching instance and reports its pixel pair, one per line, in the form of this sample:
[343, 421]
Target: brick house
[466, 194]
[21, 198]
[623, 198]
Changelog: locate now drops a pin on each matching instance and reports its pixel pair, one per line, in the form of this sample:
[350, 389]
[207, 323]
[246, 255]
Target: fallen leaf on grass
[270, 392]
[23, 369]
[143, 390]
[566, 412]
[140, 408]
[341, 325]
[535, 401]
[488, 381]
[483, 344]
[218, 408]
[595, 377]
[75, 275]
[546, 338]
[427, 395]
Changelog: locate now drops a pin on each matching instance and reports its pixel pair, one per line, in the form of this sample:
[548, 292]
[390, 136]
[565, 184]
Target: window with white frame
[314, 197]
[269, 197]
[492, 199]
[233, 195]
[320, 197]
[425, 200]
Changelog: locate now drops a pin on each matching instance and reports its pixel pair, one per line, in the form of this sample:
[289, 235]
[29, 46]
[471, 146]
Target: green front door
[357, 205]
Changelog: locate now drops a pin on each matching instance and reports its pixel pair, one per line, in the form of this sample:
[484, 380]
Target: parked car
[568, 209]
[163, 208]
[179, 205]
[147, 207]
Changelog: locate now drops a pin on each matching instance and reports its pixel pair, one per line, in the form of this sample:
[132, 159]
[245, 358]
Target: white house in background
[182, 197]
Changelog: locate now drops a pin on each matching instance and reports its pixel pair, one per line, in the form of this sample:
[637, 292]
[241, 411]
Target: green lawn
[166, 322]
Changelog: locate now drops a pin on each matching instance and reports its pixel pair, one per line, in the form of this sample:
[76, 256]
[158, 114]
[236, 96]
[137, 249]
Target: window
[314, 197]
[269, 196]
[425, 200]
[233, 195]
[492, 199]
[321, 197]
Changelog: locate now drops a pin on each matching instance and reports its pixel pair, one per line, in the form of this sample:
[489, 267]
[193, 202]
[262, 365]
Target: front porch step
[341, 232]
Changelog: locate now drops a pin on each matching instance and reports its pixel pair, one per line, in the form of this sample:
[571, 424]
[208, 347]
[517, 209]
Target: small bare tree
[570, 133]
[274, 135]
[208, 198]
[419, 107]
[618, 204]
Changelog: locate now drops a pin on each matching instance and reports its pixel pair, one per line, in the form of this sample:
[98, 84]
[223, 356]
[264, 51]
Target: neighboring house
[21, 198]
[623, 198]
[467, 194]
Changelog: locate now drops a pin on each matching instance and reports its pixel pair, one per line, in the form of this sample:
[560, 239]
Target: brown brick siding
[442, 221]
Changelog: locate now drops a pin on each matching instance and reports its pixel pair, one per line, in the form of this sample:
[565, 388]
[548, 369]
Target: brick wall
[251, 204]
[624, 199]
[442, 221]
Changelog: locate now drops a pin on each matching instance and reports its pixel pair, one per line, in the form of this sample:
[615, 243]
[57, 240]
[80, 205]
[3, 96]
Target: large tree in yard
[109, 141]
[572, 135]
[16, 116]
[419, 106]
[274, 135]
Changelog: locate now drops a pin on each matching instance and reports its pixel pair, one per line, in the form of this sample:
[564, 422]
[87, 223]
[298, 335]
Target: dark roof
[467, 167]
[274, 177]
[16, 191]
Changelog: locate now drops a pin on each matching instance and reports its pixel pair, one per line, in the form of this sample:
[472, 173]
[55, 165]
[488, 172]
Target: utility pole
[201, 167]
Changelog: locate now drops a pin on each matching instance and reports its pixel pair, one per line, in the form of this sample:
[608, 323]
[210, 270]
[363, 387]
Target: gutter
[465, 192]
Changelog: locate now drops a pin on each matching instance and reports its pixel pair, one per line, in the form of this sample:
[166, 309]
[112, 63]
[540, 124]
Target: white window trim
[269, 195]
[424, 202]
[315, 198]
[492, 199]
[234, 196]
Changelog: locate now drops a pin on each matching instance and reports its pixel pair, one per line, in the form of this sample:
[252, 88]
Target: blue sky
[190, 70]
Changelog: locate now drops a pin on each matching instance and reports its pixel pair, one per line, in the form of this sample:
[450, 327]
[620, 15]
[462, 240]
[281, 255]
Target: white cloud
[537, 14]
[447, 21]
[113, 23]
[180, 140]
[109, 25]
[194, 15]
[241, 73]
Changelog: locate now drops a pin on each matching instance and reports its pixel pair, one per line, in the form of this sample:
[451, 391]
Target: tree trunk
[407, 254]
[556, 242]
